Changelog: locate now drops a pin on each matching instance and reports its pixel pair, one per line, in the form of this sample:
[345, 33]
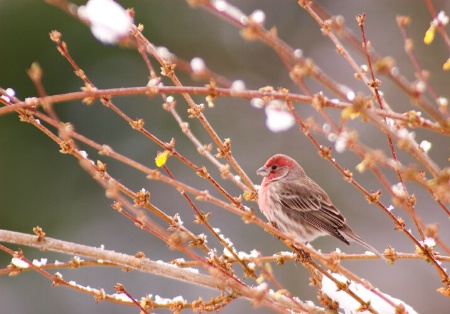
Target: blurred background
[41, 187]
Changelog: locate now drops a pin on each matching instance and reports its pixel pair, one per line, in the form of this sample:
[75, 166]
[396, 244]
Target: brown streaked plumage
[299, 206]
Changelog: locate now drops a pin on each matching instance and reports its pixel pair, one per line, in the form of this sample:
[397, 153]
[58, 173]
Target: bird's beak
[262, 171]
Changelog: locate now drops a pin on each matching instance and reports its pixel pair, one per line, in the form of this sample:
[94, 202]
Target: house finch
[299, 206]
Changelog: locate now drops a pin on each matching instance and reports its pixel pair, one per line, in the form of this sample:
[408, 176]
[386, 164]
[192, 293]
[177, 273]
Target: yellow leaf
[361, 167]
[161, 159]
[260, 279]
[349, 113]
[446, 65]
[429, 35]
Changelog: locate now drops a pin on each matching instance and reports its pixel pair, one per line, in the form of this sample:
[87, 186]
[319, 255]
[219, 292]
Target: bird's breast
[267, 200]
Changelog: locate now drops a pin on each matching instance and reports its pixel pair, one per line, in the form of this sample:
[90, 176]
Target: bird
[298, 206]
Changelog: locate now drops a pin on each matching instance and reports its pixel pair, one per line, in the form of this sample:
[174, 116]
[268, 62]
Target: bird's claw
[302, 256]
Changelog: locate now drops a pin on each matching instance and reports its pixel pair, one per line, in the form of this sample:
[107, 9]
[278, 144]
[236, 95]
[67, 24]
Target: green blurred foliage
[40, 186]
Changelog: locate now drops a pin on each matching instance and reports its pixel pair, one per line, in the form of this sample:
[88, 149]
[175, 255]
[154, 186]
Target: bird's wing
[313, 206]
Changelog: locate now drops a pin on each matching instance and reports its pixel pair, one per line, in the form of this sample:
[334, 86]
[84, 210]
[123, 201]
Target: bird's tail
[351, 235]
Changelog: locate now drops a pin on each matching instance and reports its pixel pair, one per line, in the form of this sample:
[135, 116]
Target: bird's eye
[274, 167]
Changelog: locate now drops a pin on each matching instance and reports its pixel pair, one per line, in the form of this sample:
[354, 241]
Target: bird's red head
[278, 166]
[281, 161]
